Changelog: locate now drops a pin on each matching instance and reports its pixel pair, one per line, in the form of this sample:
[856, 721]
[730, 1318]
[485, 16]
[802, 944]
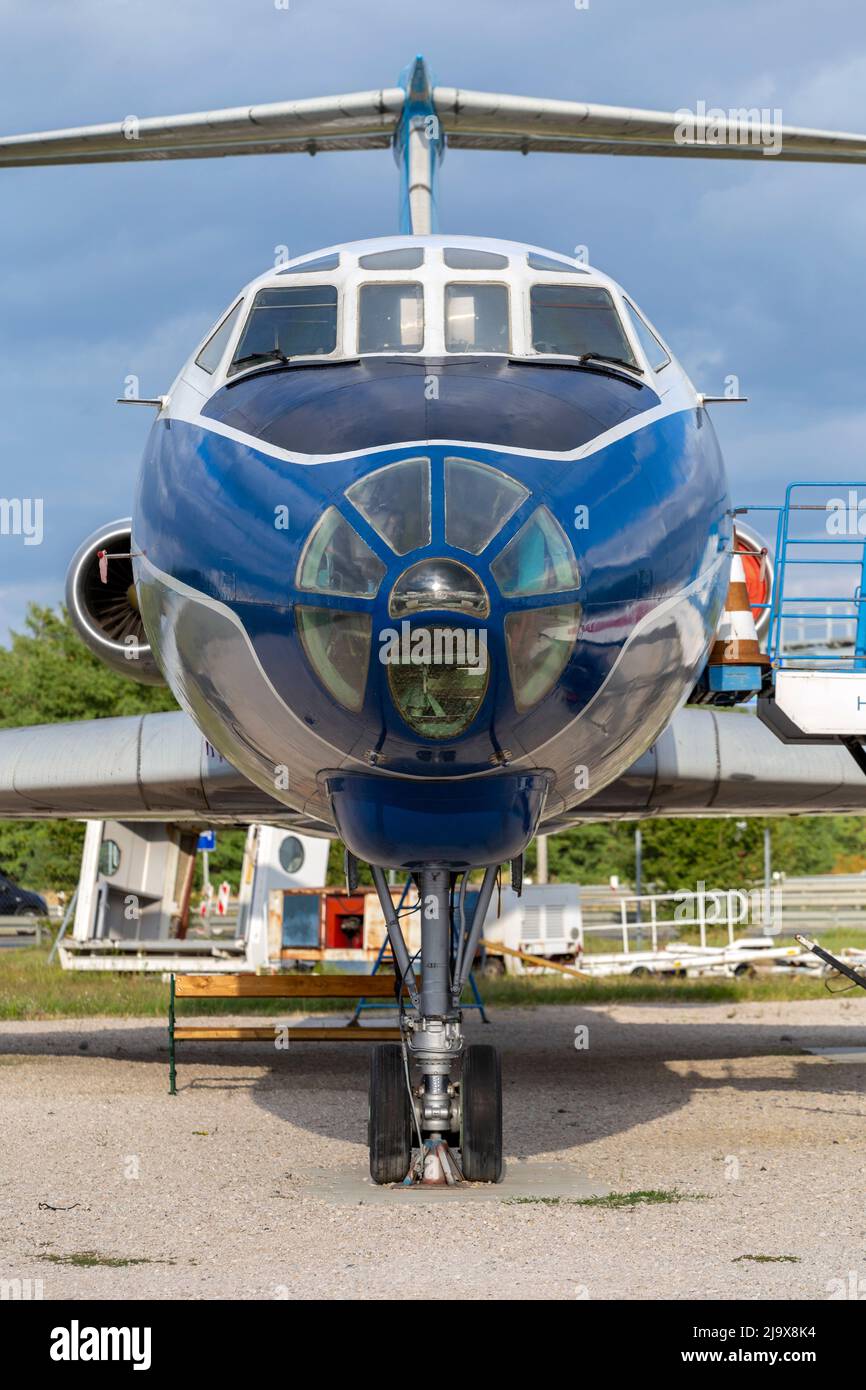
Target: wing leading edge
[468, 119]
[486, 120]
[355, 121]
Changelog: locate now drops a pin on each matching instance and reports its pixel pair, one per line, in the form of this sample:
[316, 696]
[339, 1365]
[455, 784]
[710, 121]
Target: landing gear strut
[431, 1087]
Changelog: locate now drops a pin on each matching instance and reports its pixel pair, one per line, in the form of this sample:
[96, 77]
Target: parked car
[19, 902]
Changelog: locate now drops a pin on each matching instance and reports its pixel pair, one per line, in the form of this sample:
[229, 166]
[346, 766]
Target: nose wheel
[389, 1129]
[481, 1114]
[390, 1115]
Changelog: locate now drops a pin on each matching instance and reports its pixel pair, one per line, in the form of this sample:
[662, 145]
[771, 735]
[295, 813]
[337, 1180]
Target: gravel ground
[248, 1184]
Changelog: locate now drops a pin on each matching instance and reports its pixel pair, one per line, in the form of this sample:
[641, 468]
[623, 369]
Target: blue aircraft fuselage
[227, 503]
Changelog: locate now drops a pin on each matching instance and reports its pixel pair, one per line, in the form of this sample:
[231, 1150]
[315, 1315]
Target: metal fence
[811, 904]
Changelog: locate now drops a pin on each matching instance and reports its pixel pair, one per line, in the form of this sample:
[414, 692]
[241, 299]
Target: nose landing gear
[431, 1090]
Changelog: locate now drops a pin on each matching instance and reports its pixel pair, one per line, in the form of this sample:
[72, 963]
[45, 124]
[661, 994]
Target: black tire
[389, 1128]
[27, 910]
[481, 1114]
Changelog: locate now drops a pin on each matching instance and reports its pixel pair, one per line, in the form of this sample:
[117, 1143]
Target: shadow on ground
[621, 1081]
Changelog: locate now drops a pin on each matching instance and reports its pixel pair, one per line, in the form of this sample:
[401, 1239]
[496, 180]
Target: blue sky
[750, 269]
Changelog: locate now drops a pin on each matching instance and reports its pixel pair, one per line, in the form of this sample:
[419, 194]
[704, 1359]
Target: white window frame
[478, 352]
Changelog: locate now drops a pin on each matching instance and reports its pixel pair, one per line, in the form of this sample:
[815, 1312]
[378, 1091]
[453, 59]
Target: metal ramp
[817, 634]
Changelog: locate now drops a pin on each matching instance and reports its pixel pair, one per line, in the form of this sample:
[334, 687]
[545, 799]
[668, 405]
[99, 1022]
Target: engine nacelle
[105, 614]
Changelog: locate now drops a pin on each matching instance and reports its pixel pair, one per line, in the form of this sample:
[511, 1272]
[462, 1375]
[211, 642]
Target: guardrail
[23, 926]
[814, 905]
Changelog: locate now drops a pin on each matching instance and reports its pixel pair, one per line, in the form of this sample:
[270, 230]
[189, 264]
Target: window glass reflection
[337, 646]
[576, 319]
[476, 318]
[337, 561]
[289, 321]
[395, 501]
[539, 642]
[391, 318]
[539, 559]
[478, 502]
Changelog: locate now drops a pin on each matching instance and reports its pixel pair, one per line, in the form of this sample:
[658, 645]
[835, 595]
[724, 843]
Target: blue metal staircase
[817, 634]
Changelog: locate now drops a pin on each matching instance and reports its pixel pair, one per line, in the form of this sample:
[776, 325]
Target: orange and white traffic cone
[736, 641]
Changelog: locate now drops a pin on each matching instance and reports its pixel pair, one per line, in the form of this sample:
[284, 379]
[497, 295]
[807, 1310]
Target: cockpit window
[330, 262]
[391, 318]
[657, 355]
[536, 261]
[577, 319]
[467, 258]
[539, 559]
[212, 353]
[337, 646]
[395, 501]
[539, 643]
[337, 561]
[296, 321]
[401, 258]
[476, 318]
[478, 502]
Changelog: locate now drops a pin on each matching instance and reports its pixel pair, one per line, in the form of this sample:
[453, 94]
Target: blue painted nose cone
[386, 820]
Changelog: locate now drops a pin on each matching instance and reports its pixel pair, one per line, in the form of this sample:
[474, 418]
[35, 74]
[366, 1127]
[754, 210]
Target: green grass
[524, 991]
[615, 1201]
[652, 1196]
[31, 989]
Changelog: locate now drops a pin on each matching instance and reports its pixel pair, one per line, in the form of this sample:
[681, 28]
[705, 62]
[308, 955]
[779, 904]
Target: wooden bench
[288, 986]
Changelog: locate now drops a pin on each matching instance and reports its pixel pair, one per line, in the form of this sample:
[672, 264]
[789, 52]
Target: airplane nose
[448, 590]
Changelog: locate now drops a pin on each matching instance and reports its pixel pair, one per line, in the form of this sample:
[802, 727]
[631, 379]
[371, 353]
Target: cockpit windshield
[574, 320]
[290, 321]
[476, 318]
[391, 317]
[441, 301]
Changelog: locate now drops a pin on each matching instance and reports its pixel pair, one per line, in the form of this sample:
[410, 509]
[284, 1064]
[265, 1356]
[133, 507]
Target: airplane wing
[136, 767]
[468, 119]
[159, 767]
[355, 121]
[419, 120]
[712, 762]
[494, 121]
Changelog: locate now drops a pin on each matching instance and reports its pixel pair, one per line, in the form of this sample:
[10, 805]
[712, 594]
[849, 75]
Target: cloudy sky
[749, 269]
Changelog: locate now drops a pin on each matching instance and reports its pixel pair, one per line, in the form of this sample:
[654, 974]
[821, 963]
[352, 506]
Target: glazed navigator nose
[439, 568]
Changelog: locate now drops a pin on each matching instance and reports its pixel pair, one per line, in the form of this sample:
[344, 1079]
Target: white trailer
[133, 899]
[545, 921]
